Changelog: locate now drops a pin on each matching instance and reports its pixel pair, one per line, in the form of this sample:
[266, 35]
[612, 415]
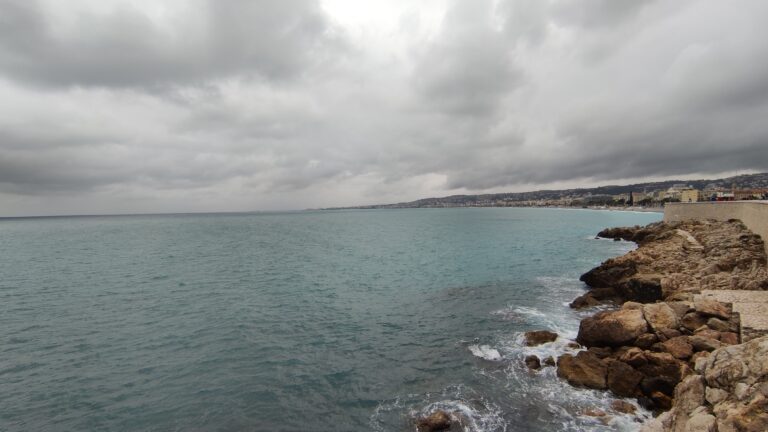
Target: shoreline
[658, 344]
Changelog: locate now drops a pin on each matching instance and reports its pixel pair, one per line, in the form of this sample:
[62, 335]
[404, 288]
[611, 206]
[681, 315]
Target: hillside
[748, 181]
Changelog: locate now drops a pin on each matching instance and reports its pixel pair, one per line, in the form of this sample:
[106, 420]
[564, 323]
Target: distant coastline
[636, 197]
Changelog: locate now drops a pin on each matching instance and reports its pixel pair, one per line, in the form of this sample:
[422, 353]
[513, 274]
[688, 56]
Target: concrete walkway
[752, 307]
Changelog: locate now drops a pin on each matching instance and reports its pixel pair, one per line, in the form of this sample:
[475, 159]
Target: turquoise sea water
[306, 321]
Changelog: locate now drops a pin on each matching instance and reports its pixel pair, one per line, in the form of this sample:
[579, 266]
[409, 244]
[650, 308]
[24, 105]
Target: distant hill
[747, 181]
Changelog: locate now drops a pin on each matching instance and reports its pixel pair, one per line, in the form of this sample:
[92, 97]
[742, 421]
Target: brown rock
[642, 288]
[585, 300]
[668, 334]
[679, 347]
[583, 370]
[533, 338]
[689, 394]
[622, 233]
[437, 421]
[624, 407]
[612, 328]
[713, 308]
[661, 400]
[744, 363]
[707, 333]
[698, 355]
[634, 357]
[549, 361]
[646, 340]
[608, 274]
[719, 325]
[532, 362]
[663, 384]
[701, 422]
[603, 294]
[601, 352]
[594, 412]
[622, 379]
[680, 308]
[660, 317]
[692, 321]
[729, 338]
[701, 343]
[663, 365]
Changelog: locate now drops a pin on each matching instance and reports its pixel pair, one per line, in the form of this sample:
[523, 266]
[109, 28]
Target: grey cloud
[598, 13]
[503, 93]
[468, 69]
[276, 39]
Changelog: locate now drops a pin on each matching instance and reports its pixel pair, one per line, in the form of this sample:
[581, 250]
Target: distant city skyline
[139, 106]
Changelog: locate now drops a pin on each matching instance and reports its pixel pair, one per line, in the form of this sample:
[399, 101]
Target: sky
[235, 105]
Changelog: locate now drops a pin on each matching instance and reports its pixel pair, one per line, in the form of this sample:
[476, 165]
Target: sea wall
[754, 214]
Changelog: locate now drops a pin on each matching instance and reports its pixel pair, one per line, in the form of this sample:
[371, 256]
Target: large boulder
[693, 321]
[622, 233]
[679, 347]
[660, 316]
[731, 394]
[643, 289]
[746, 363]
[623, 379]
[583, 370]
[713, 308]
[608, 274]
[614, 328]
[701, 343]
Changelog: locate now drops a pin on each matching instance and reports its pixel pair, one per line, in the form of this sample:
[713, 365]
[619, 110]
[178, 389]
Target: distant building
[690, 195]
[724, 196]
[749, 194]
[640, 196]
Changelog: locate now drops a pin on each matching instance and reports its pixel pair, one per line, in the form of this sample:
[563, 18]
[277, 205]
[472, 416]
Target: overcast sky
[229, 105]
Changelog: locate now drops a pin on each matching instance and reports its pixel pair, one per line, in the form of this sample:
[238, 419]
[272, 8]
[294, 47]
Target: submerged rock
[437, 421]
[538, 337]
[532, 362]
[623, 407]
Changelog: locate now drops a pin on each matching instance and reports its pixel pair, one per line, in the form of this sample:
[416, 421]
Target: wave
[468, 409]
[485, 352]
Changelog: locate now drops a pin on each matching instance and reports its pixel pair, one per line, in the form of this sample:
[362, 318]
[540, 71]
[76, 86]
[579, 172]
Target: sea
[358, 320]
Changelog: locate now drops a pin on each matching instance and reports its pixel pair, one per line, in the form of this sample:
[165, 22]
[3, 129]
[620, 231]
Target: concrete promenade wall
[754, 214]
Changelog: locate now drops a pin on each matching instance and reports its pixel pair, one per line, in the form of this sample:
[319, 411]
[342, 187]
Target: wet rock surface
[437, 421]
[538, 337]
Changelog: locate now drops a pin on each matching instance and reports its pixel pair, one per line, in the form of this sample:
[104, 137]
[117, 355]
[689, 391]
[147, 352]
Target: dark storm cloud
[275, 39]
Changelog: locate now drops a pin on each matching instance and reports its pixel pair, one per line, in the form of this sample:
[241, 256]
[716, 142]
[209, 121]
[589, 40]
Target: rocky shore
[656, 338]
[678, 353]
